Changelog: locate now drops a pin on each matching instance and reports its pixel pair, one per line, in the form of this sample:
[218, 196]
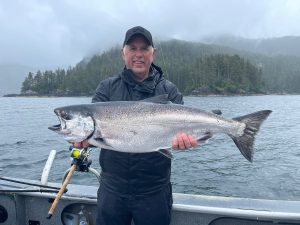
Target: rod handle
[61, 191]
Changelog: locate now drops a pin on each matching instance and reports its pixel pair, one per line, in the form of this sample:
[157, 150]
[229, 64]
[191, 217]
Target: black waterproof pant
[150, 210]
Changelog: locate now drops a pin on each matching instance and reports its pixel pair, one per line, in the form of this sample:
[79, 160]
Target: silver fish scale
[148, 127]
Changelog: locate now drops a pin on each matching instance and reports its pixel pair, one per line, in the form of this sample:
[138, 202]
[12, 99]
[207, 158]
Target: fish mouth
[55, 128]
[59, 127]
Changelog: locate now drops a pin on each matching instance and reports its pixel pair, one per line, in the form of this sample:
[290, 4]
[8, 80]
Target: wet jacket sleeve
[102, 92]
[175, 95]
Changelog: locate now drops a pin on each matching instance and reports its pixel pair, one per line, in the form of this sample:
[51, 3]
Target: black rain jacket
[135, 174]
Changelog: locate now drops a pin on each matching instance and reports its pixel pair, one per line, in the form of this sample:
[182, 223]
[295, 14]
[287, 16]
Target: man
[136, 186]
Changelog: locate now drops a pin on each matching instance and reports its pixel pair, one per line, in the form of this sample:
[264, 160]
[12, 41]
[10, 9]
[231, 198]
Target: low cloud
[59, 33]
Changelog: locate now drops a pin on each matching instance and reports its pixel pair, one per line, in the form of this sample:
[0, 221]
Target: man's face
[138, 56]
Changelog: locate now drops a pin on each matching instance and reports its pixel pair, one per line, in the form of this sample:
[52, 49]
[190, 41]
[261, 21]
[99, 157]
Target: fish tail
[253, 122]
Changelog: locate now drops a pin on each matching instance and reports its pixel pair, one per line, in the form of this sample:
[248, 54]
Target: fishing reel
[80, 158]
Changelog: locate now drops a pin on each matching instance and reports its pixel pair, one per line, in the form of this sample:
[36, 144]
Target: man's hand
[83, 144]
[183, 141]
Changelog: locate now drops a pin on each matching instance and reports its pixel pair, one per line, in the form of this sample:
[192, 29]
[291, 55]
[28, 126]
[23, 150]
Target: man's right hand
[83, 144]
[183, 141]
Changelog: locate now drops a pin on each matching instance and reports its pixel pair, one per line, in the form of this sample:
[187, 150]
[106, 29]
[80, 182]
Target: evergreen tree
[190, 66]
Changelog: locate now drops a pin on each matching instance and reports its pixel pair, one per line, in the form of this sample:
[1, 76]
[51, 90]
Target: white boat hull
[32, 208]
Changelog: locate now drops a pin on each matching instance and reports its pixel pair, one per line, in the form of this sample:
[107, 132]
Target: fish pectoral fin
[204, 138]
[166, 152]
[100, 143]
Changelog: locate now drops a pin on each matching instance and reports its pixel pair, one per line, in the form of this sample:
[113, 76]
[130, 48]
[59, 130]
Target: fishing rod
[28, 183]
[80, 163]
[41, 190]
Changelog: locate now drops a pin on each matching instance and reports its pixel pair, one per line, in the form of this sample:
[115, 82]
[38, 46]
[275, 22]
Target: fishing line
[163, 59]
[27, 183]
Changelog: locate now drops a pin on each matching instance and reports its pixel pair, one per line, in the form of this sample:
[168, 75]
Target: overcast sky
[47, 34]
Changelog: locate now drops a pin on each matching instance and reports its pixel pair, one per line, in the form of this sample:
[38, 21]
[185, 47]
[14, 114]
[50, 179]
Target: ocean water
[213, 168]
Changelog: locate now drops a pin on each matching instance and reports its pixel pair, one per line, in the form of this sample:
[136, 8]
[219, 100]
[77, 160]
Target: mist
[59, 33]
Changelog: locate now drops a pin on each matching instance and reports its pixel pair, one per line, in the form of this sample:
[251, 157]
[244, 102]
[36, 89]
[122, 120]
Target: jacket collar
[148, 85]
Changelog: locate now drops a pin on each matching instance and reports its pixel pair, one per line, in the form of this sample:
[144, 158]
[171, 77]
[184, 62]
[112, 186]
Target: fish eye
[68, 117]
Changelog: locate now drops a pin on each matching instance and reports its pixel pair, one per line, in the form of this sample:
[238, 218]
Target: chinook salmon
[150, 125]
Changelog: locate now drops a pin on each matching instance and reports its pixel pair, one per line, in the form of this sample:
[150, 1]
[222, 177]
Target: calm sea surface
[215, 168]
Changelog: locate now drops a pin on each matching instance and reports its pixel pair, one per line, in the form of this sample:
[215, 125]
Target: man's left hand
[184, 141]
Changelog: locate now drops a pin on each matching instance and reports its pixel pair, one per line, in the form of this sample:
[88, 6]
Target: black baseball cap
[138, 30]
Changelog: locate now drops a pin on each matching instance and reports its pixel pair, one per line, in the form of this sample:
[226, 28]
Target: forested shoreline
[195, 68]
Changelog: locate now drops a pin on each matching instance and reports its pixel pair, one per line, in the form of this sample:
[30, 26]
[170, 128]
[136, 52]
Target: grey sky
[47, 34]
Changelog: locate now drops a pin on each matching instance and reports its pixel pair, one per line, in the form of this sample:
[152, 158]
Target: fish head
[76, 123]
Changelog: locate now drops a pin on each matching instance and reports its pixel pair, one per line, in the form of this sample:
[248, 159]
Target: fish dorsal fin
[160, 99]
